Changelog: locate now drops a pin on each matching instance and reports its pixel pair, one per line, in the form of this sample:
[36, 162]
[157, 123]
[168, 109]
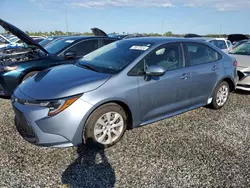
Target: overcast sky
[178, 16]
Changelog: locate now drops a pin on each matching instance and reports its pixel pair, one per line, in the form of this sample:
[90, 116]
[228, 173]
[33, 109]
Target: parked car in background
[236, 37]
[16, 65]
[242, 55]
[223, 44]
[238, 43]
[15, 39]
[3, 41]
[38, 38]
[49, 40]
[117, 36]
[133, 36]
[9, 42]
[126, 84]
[191, 35]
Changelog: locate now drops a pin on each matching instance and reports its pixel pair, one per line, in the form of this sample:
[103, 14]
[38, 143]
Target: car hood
[21, 35]
[243, 61]
[62, 81]
[236, 37]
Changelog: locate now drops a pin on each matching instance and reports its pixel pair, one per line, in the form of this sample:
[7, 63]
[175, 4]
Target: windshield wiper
[89, 67]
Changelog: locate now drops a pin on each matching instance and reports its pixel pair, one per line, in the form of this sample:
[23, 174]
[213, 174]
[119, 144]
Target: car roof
[160, 40]
[83, 37]
[208, 38]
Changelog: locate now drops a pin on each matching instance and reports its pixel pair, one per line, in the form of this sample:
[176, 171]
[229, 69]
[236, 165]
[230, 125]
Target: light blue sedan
[123, 85]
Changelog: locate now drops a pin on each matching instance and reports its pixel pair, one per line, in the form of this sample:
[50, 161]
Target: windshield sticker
[143, 48]
[69, 41]
[50, 38]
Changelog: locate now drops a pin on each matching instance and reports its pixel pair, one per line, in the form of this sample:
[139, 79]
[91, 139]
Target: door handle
[215, 68]
[184, 77]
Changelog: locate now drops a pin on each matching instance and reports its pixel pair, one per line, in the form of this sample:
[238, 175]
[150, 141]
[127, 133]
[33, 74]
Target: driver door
[162, 96]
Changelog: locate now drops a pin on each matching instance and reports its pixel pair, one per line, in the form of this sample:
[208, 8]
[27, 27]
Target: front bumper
[62, 130]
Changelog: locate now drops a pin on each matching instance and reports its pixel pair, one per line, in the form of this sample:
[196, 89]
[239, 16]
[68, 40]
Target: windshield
[243, 49]
[45, 42]
[239, 43]
[58, 45]
[13, 39]
[3, 41]
[116, 56]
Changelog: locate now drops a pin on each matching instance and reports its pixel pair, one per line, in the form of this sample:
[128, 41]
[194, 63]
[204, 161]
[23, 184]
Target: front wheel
[106, 125]
[220, 95]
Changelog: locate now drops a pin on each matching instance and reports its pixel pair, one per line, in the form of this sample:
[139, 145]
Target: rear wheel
[220, 95]
[29, 75]
[106, 125]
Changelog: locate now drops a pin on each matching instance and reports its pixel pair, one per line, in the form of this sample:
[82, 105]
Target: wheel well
[126, 109]
[230, 83]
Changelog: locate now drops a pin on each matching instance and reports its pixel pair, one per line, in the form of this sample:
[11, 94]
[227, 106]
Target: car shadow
[90, 169]
[4, 97]
[242, 92]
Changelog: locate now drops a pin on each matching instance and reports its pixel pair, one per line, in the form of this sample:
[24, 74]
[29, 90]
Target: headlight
[247, 73]
[55, 106]
[10, 68]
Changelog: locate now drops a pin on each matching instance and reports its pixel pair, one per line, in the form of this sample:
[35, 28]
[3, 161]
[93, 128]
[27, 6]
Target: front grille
[23, 128]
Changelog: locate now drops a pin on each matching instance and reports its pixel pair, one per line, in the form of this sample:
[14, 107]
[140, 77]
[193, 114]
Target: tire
[100, 134]
[219, 100]
[29, 75]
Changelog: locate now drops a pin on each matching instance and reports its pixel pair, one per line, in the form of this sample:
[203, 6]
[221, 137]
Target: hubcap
[222, 95]
[108, 128]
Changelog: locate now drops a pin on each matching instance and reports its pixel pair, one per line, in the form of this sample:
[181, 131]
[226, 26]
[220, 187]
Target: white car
[223, 44]
[4, 41]
[10, 42]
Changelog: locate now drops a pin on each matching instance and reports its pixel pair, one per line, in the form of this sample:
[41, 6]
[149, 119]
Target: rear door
[204, 63]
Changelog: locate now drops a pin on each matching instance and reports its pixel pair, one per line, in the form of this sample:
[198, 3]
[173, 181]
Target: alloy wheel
[108, 128]
[222, 95]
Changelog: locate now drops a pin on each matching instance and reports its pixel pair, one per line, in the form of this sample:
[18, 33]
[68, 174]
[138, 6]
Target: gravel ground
[199, 148]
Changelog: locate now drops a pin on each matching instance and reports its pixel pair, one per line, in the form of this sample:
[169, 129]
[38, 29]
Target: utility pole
[220, 29]
[162, 29]
[66, 16]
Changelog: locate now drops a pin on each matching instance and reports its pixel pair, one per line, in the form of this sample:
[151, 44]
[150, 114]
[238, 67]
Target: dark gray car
[123, 85]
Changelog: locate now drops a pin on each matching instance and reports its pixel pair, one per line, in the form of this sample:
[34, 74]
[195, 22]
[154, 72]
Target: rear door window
[104, 42]
[201, 53]
[221, 44]
[84, 47]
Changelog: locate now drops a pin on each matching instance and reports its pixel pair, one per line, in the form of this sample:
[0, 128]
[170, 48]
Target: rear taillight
[235, 63]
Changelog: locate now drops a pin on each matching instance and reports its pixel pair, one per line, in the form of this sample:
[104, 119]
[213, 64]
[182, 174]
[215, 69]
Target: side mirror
[70, 55]
[155, 70]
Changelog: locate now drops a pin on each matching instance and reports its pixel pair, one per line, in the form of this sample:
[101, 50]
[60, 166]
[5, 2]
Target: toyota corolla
[123, 85]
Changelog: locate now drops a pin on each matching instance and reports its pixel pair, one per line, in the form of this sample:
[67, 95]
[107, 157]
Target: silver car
[242, 55]
[221, 43]
[123, 85]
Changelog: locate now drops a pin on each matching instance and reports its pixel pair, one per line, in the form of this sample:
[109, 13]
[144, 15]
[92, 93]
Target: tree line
[61, 33]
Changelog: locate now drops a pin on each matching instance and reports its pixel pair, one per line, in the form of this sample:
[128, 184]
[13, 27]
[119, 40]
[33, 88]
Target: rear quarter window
[201, 54]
